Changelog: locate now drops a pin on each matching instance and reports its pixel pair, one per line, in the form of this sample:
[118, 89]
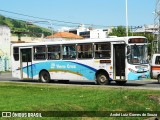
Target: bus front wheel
[44, 77]
[102, 79]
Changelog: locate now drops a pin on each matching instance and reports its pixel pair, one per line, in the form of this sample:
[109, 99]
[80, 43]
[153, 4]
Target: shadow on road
[154, 83]
[113, 83]
[8, 77]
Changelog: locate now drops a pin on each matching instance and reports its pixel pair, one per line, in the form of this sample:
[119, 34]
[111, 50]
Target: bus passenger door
[26, 63]
[119, 61]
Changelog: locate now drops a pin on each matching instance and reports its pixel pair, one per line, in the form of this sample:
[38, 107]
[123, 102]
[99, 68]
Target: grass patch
[49, 97]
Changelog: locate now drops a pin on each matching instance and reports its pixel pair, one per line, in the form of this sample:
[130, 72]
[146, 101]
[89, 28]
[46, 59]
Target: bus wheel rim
[102, 78]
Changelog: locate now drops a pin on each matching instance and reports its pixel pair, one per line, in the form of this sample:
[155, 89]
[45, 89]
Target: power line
[39, 23]
[53, 20]
[35, 17]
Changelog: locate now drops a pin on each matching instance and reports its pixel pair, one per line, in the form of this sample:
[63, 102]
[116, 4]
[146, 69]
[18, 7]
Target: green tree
[120, 31]
[2, 20]
[22, 26]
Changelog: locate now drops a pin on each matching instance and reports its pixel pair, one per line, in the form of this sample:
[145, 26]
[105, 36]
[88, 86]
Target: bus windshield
[137, 54]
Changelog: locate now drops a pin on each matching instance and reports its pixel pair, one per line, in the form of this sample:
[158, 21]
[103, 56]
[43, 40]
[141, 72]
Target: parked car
[155, 67]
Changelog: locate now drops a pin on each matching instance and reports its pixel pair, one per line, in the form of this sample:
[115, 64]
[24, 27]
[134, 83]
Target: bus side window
[53, 52]
[102, 50]
[39, 52]
[79, 51]
[157, 61]
[69, 51]
[16, 53]
[84, 51]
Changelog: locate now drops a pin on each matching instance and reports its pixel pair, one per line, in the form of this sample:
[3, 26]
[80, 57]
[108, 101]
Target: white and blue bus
[101, 60]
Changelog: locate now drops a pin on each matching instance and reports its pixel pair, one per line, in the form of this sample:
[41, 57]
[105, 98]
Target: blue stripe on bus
[138, 76]
[86, 66]
[86, 71]
[81, 69]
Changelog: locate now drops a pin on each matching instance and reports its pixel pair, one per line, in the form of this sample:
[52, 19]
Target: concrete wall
[5, 53]
[5, 46]
[26, 39]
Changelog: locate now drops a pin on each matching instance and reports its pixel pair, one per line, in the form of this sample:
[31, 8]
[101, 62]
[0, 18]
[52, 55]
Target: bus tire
[44, 77]
[121, 82]
[102, 79]
[158, 78]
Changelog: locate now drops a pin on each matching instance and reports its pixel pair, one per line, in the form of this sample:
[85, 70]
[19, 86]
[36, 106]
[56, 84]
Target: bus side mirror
[128, 55]
[128, 51]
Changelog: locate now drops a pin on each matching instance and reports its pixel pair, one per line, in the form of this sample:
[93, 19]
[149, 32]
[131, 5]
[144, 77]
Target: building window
[73, 31]
[39, 52]
[102, 50]
[53, 52]
[85, 34]
[84, 51]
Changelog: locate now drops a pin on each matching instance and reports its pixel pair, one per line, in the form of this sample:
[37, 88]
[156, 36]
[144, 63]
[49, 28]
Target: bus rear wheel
[44, 77]
[102, 79]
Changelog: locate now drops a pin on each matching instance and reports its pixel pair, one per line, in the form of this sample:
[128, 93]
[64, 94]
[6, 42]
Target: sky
[70, 13]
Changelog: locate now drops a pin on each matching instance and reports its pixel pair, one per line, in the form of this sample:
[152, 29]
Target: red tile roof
[65, 35]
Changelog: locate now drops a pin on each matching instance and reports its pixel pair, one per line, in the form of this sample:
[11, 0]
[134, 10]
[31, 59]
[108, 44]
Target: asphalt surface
[142, 84]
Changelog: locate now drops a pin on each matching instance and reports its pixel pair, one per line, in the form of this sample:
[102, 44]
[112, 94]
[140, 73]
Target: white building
[146, 29]
[89, 32]
[5, 54]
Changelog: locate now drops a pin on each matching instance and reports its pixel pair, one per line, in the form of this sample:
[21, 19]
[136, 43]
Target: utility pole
[127, 18]
[156, 47]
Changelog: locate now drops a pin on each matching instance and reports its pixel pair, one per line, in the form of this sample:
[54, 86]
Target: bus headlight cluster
[141, 67]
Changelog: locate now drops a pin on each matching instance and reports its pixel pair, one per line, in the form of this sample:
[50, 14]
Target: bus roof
[75, 41]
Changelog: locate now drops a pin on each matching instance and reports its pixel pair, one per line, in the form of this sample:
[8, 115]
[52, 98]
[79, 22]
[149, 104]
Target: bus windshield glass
[137, 54]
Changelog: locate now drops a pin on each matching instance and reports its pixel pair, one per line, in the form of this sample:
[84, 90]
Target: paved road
[143, 84]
